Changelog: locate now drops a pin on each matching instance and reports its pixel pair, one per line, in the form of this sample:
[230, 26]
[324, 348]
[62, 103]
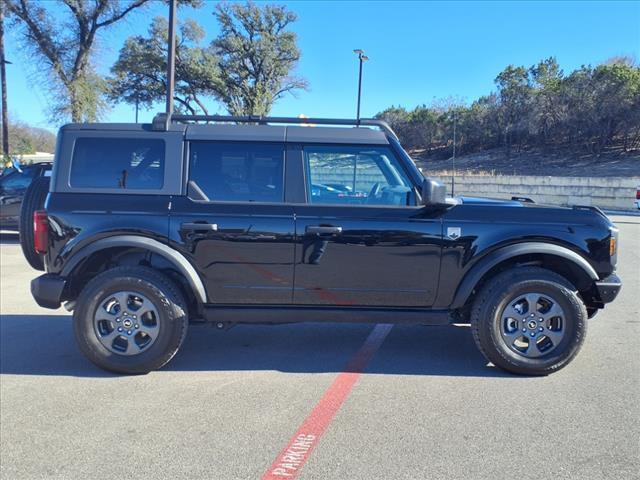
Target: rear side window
[130, 163]
[240, 172]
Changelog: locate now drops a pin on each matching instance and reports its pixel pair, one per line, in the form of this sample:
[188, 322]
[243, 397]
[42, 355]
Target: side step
[234, 314]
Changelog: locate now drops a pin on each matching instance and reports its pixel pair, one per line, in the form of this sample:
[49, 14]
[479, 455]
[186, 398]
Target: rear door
[234, 224]
[362, 240]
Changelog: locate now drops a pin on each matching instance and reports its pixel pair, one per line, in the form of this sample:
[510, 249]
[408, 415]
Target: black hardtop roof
[353, 132]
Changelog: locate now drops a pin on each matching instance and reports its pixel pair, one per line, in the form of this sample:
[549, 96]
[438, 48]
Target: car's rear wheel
[34, 198]
[130, 320]
[529, 321]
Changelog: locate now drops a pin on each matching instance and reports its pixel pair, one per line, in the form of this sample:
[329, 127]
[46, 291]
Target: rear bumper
[608, 288]
[47, 290]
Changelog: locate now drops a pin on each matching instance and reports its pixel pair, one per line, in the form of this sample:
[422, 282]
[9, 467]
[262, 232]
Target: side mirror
[433, 193]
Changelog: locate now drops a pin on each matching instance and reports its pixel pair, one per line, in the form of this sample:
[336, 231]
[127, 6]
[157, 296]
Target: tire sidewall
[171, 324]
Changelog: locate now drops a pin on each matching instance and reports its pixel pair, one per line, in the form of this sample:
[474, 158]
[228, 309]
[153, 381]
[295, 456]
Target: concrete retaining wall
[615, 193]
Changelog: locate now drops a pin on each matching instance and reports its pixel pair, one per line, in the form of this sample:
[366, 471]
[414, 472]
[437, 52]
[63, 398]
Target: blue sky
[419, 51]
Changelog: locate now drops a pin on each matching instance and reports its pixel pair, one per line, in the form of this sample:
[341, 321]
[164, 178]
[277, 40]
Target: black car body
[13, 185]
[270, 224]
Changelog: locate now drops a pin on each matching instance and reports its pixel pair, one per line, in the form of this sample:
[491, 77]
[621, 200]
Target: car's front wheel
[130, 320]
[529, 321]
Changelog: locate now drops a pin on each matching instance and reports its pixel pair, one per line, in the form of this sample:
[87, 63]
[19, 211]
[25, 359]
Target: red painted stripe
[291, 460]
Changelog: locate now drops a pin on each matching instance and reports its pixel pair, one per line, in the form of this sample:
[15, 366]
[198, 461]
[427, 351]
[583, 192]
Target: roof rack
[162, 121]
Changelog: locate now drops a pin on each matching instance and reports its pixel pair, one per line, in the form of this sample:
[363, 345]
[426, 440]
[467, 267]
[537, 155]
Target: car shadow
[44, 345]
[9, 238]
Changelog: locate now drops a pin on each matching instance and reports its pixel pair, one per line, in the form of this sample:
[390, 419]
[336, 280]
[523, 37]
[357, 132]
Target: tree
[256, 57]
[610, 106]
[398, 120]
[394, 116]
[25, 139]
[423, 127]
[66, 47]
[140, 73]
[514, 93]
[593, 109]
[547, 110]
[247, 68]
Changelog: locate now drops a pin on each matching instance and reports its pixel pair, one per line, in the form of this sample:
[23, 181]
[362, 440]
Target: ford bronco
[148, 227]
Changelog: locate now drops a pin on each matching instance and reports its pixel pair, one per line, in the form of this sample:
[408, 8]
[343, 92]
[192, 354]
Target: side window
[240, 172]
[118, 163]
[356, 176]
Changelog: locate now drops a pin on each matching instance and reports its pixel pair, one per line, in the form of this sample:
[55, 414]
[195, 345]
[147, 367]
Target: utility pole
[3, 74]
[171, 56]
[362, 58]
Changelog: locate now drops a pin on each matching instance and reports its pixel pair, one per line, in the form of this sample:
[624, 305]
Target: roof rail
[162, 121]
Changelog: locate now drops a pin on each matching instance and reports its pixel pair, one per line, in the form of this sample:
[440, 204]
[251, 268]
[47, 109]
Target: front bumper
[608, 288]
[47, 290]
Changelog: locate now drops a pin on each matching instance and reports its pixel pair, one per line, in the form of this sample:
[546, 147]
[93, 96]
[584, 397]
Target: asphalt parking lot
[289, 401]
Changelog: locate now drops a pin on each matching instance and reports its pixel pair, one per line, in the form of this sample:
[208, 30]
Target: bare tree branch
[123, 13]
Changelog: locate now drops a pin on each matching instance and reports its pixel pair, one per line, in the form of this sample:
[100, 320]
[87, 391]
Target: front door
[234, 224]
[361, 238]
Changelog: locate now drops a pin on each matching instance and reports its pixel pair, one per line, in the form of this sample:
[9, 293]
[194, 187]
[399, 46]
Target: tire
[500, 337]
[33, 200]
[103, 346]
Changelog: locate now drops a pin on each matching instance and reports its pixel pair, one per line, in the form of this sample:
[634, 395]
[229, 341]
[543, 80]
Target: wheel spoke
[555, 336]
[109, 337]
[123, 300]
[132, 348]
[146, 308]
[511, 337]
[103, 314]
[150, 330]
[554, 311]
[511, 312]
[532, 349]
[532, 301]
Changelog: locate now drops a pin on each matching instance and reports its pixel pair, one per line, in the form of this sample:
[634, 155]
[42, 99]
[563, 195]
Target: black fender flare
[475, 274]
[174, 257]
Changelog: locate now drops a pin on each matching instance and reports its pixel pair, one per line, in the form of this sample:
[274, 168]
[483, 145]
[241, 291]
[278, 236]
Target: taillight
[40, 231]
[637, 193]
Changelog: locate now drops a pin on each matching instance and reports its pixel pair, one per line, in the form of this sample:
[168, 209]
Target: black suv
[259, 220]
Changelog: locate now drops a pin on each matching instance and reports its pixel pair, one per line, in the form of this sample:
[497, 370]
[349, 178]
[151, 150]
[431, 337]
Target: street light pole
[171, 56]
[362, 58]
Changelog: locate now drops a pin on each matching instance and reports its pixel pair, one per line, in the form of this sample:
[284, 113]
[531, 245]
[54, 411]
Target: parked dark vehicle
[13, 185]
[150, 227]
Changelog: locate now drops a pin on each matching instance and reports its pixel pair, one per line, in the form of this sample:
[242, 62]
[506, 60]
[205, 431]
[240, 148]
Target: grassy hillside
[559, 162]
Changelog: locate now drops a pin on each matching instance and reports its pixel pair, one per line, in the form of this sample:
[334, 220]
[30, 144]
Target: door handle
[323, 229]
[212, 227]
